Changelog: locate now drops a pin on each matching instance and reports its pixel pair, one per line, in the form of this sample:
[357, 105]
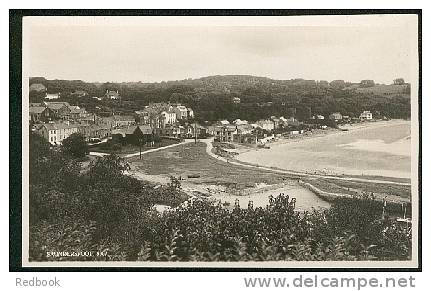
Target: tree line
[212, 97]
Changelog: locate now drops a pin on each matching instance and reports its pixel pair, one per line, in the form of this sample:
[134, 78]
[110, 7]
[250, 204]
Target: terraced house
[117, 121]
[55, 133]
[92, 131]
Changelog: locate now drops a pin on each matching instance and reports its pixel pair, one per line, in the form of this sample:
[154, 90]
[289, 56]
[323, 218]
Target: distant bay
[374, 149]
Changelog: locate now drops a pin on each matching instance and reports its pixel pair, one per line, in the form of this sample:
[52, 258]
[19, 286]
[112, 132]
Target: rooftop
[76, 109]
[58, 125]
[36, 109]
[57, 105]
[124, 117]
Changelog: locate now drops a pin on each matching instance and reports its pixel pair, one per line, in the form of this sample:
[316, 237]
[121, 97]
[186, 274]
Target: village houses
[116, 121]
[161, 115]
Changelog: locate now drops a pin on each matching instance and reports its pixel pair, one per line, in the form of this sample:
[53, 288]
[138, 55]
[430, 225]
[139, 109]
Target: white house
[181, 112]
[223, 122]
[335, 116]
[111, 94]
[266, 124]
[168, 117]
[55, 133]
[190, 113]
[240, 122]
[51, 96]
[236, 100]
[366, 115]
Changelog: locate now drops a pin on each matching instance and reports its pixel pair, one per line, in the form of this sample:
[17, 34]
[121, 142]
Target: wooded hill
[213, 97]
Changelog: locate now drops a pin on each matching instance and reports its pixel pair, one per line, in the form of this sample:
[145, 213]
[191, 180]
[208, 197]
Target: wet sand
[259, 194]
[305, 199]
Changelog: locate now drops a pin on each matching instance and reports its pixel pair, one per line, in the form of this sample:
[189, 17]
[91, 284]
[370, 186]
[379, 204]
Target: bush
[104, 209]
[75, 146]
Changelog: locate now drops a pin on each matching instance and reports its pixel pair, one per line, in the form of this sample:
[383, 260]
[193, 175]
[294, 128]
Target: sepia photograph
[287, 141]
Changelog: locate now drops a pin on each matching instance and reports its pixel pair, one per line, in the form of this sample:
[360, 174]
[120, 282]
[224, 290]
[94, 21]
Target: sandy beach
[375, 149]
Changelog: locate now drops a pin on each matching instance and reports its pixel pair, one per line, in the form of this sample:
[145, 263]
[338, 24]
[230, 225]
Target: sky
[117, 51]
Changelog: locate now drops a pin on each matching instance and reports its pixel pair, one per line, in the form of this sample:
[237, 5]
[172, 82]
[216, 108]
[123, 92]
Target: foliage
[67, 235]
[206, 232]
[102, 194]
[75, 145]
[202, 231]
[102, 209]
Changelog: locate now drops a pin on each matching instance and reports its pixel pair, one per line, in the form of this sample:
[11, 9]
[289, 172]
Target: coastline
[325, 133]
[290, 154]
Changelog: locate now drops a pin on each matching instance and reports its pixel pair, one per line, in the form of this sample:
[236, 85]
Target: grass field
[129, 148]
[191, 159]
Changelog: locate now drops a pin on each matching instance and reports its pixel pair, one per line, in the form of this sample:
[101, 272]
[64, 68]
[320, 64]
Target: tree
[75, 146]
[367, 83]
[399, 81]
[108, 169]
[338, 84]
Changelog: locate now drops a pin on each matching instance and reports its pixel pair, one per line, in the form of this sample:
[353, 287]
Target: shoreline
[255, 156]
[325, 133]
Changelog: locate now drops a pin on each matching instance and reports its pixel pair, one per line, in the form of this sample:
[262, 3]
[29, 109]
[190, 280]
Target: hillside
[259, 97]
[387, 90]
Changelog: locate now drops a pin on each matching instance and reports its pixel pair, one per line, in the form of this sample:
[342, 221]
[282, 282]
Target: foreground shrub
[104, 210]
